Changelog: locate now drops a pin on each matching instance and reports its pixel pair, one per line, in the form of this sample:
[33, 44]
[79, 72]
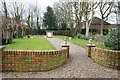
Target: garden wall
[108, 58]
[22, 61]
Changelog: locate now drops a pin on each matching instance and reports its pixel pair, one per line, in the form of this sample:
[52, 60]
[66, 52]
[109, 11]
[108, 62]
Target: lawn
[35, 43]
[81, 42]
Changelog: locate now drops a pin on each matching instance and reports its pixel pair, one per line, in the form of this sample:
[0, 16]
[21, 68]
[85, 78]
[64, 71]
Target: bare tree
[65, 12]
[17, 14]
[37, 16]
[6, 24]
[105, 9]
[89, 8]
[78, 13]
[0, 31]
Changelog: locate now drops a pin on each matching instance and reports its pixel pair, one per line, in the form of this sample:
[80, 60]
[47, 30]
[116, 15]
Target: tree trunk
[87, 29]
[0, 39]
[101, 28]
[7, 37]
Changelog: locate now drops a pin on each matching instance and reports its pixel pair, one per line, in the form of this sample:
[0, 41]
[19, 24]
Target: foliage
[83, 37]
[113, 39]
[33, 43]
[50, 19]
[98, 38]
[64, 26]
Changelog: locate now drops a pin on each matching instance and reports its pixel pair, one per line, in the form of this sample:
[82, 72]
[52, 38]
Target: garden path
[77, 66]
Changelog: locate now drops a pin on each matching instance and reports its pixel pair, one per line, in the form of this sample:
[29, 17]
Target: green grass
[36, 43]
[77, 41]
[81, 42]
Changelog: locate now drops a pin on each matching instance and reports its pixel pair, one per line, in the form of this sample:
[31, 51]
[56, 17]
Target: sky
[44, 3]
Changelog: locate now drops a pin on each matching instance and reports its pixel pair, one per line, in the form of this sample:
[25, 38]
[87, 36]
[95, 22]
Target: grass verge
[35, 43]
[81, 42]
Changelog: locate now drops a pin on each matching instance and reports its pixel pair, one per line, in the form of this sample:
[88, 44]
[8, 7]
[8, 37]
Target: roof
[97, 21]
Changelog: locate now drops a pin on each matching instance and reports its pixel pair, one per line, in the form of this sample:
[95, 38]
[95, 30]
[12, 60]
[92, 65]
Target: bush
[83, 37]
[113, 39]
[98, 38]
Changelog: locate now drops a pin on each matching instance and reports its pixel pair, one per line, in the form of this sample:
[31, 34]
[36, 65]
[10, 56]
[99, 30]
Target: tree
[50, 19]
[0, 31]
[89, 8]
[7, 29]
[61, 14]
[64, 14]
[105, 9]
[117, 11]
[18, 11]
[37, 16]
[28, 18]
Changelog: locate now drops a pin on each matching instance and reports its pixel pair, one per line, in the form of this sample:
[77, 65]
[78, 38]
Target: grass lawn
[81, 42]
[36, 43]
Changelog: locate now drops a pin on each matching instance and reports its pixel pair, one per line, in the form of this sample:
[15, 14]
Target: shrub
[112, 40]
[83, 37]
[98, 38]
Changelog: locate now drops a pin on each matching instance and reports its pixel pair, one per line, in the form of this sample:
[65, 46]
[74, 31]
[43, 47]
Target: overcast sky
[44, 3]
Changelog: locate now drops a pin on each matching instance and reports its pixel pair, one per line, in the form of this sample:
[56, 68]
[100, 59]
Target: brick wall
[22, 61]
[108, 58]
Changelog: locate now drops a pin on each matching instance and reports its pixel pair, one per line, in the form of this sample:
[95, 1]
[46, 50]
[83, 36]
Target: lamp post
[66, 45]
[65, 40]
[89, 46]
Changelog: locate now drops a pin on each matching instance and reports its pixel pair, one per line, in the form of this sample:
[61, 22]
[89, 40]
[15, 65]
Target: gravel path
[77, 66]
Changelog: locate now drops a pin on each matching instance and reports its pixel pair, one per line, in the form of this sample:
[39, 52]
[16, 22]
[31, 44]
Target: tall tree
[0, 31]
[6, 24]
[18, 12]
[78, 13]
[117, 11]
[50, 19]
[89, 8]
[61, 15]
[38, 16]
[105, 9]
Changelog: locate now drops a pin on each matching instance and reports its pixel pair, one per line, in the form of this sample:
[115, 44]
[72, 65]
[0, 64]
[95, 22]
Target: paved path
[78, 66]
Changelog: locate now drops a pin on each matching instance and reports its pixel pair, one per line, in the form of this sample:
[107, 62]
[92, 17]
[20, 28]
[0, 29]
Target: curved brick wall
[32, 60]
[108, 58]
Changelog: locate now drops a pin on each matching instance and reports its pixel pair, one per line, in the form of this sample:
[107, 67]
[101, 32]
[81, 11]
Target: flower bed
[25, 61]
[108, 58]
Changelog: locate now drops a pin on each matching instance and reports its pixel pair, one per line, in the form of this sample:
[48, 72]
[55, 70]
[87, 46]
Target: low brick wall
[22, 61]
[108, 58]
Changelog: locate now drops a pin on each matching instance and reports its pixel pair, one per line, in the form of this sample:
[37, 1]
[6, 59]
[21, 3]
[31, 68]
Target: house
[96, 23]
[95, 26]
